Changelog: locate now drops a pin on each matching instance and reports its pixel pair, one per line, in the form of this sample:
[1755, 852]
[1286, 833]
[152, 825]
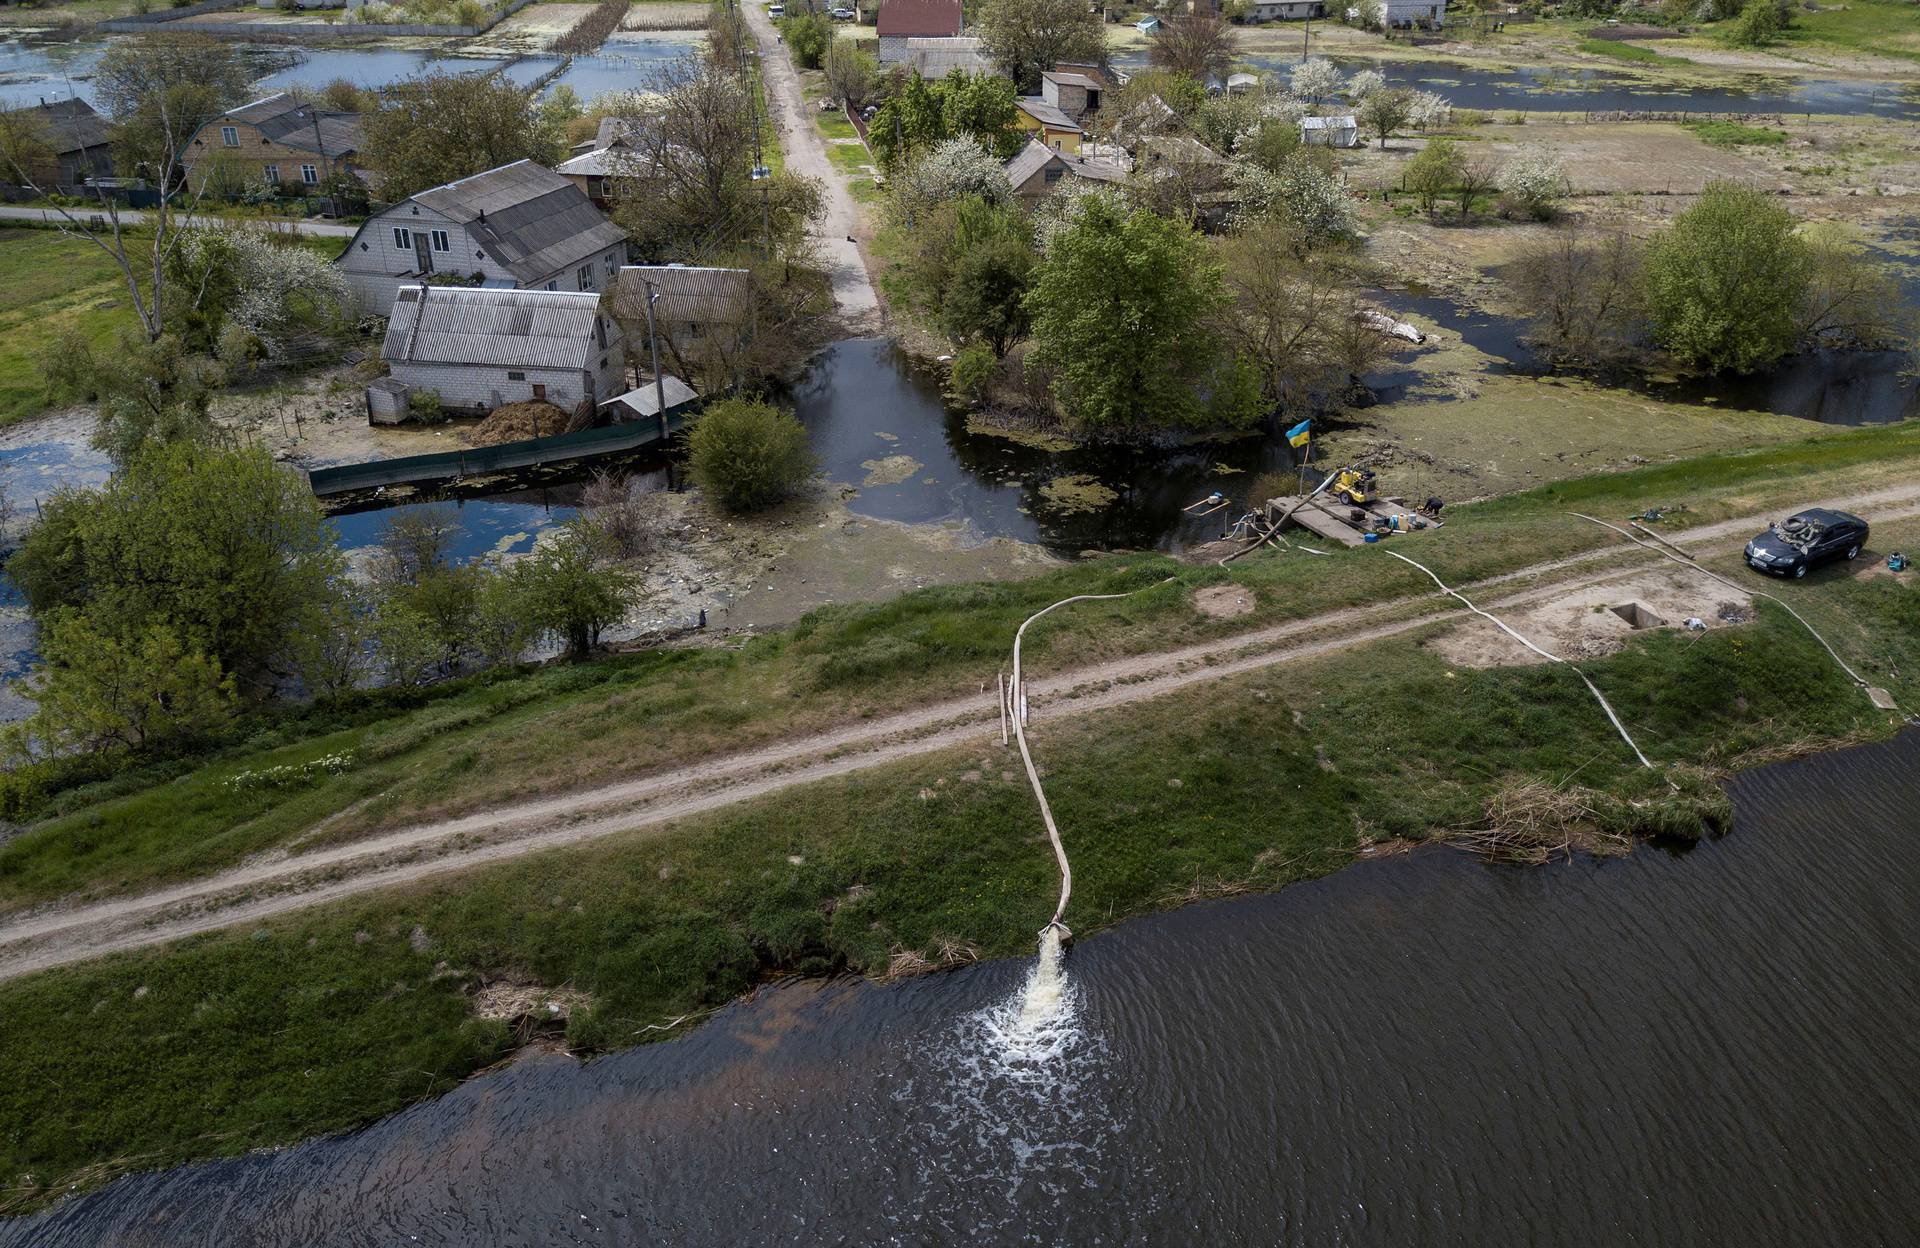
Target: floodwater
[1673, 1049]
[872, 413]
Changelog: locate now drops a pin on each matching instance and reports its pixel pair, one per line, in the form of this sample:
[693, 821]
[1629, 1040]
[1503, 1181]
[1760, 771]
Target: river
[1709, 1047]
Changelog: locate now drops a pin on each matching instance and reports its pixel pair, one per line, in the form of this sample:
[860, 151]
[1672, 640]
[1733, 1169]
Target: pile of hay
[516, 422]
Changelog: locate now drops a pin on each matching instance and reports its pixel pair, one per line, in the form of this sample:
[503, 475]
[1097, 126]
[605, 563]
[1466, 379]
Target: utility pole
[653, 346]
[333, 202]
[1306, 37]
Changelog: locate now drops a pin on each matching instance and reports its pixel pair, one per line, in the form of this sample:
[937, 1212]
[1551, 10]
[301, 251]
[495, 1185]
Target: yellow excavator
[1354, 485]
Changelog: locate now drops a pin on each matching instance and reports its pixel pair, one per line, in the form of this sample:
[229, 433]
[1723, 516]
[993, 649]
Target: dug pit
[1589, 621]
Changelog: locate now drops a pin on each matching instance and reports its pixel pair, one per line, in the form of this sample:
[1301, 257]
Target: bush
[749, 455]
[972, 370]
[426, 407]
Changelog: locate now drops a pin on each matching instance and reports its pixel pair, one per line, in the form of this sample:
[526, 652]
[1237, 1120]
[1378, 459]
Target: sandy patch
[1595, 620]
[1223, 602]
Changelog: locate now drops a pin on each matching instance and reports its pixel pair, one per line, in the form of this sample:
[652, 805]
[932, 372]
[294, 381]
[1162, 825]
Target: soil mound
[518, 421]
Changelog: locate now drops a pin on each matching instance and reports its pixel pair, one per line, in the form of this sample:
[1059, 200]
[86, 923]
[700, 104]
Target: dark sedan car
[1807, 540]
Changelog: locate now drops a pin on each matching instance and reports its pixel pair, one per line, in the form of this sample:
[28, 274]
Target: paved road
[279, 882]
[807, 155]
[133, 216]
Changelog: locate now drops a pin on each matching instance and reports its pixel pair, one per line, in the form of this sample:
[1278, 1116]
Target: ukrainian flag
[1298, 435]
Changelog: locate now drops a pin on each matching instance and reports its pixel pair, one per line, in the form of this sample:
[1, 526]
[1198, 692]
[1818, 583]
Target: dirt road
[807, 155]
[55, 936]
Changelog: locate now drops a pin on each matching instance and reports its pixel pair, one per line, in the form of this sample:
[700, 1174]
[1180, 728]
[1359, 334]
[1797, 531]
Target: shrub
[972, 370]
[426, 407]
[749, 455]
[1533, 182]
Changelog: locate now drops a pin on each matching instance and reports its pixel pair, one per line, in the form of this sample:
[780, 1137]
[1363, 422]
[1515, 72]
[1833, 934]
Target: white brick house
[518, 227]
[479, 349]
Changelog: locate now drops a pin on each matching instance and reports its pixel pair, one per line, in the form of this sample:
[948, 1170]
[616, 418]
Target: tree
[224, 548]
[26, 146]
[1757, 26]
[1850, 302]
[99, 689]
[1302, 195]
[1364, 83]
[502, 626]
[1727, 282]
[160, 89]
[326, 645]
[1385, 111]
[439, 127]
[948, 173]
[569, 593]
[273, 292]
[808, 37]
[1223, 122]
[1433, 171]
[1120, 306]
[851, 72]
[1200, 45]
[749, 455]
[1026, 38]
[149, 393]
[1293, 315]
[1580, 294]
[984, 299]
[1534, 182]
[1316, 79]
[1473, 177]
[920, 117]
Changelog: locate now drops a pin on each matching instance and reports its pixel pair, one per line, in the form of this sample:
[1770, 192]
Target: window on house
[553, 285]
[603, 361]
[310, 175]
[613, 264]
[270, 172]
[403, 238]
[1054, 174]
[585, 277]
[229, 136]
[440, 242]
[516, 376]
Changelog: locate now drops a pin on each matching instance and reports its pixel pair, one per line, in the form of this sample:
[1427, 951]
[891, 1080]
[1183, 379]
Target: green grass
[1733, 134]
[1876, 27]
[1622, 51]
[50, 285]
[326, 1019]
[515, 735]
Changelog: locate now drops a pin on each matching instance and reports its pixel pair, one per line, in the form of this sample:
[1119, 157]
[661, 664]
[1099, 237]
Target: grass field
[49, 285]
[1733, 134]
[1876, 27]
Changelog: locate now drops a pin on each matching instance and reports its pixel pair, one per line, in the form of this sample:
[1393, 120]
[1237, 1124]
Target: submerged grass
[511, 736]
[330, 1017]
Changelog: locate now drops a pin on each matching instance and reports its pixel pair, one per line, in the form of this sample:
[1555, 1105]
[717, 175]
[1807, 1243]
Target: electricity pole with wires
[653, 347]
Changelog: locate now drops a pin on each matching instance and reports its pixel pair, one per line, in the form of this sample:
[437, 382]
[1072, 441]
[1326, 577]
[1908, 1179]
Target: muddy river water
[1710, 1047]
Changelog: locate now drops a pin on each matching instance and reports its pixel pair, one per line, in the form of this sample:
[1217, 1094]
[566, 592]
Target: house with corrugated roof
[617, 150]
[480, 349]
[1037, 169]
[68, 143]
[518, 227]
[937, 57]
[1076, 90]
[901, 20]
[279, 140]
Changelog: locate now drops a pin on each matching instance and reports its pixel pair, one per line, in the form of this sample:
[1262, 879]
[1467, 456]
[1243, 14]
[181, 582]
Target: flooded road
[1699, 1048]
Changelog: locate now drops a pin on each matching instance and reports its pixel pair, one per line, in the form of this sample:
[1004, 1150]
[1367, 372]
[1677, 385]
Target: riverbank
[326, 1018]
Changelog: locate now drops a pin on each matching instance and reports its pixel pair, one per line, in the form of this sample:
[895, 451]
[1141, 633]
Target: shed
[1240, 83]
[1147, 25]
[643, 403]
[480, 348]
[389, 401]
[1341, 131]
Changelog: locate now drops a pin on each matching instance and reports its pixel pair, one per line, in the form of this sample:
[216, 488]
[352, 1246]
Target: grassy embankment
[1873, 27]
[331, 1017]
[514, 735]
[1620, 50]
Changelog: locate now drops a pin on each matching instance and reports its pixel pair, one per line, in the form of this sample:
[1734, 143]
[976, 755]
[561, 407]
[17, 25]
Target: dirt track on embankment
[57, 935]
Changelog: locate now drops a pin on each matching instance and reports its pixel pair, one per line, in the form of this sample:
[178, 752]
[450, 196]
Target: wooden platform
[1318, 517]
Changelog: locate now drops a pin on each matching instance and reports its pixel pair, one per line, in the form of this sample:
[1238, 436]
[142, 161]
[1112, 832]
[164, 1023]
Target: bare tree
[1473, 177]
[1850, 301]
[1580, 293]
[1294, 316]
[1200, 45]
[616, 510]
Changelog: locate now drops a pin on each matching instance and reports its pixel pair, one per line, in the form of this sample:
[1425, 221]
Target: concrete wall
[481, 388]
[893, 49]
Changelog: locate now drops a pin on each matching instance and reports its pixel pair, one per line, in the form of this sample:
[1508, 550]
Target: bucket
[1371, 538]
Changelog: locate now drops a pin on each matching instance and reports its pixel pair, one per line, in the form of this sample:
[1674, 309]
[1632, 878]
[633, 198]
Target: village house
[936, 58]
[67, 143]
[1075, 90]
[480, 349]
[1036, 169]
[1284, 10]
[694, 303]
[614, 152]
[1047, 123]
[901, 20]
[516, 227]
[1340, 131]
[278, 140]
[1407, 14]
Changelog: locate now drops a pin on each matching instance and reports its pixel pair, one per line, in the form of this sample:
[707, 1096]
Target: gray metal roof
[282, 119]
[687, 293]
[1046, 114]
[1030, 160]
[67, 126]
[500, 328]
[936, 57]
[530, 219]
[1070, 79]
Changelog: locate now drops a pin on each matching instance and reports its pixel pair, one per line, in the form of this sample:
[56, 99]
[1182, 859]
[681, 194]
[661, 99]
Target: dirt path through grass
[54, 936]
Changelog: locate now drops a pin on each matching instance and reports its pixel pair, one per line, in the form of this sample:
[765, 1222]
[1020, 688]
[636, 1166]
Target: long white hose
[1017, 708]
[1551, 658]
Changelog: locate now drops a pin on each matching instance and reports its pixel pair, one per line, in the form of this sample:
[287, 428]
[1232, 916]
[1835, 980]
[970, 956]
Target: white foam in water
[1039, 1025]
